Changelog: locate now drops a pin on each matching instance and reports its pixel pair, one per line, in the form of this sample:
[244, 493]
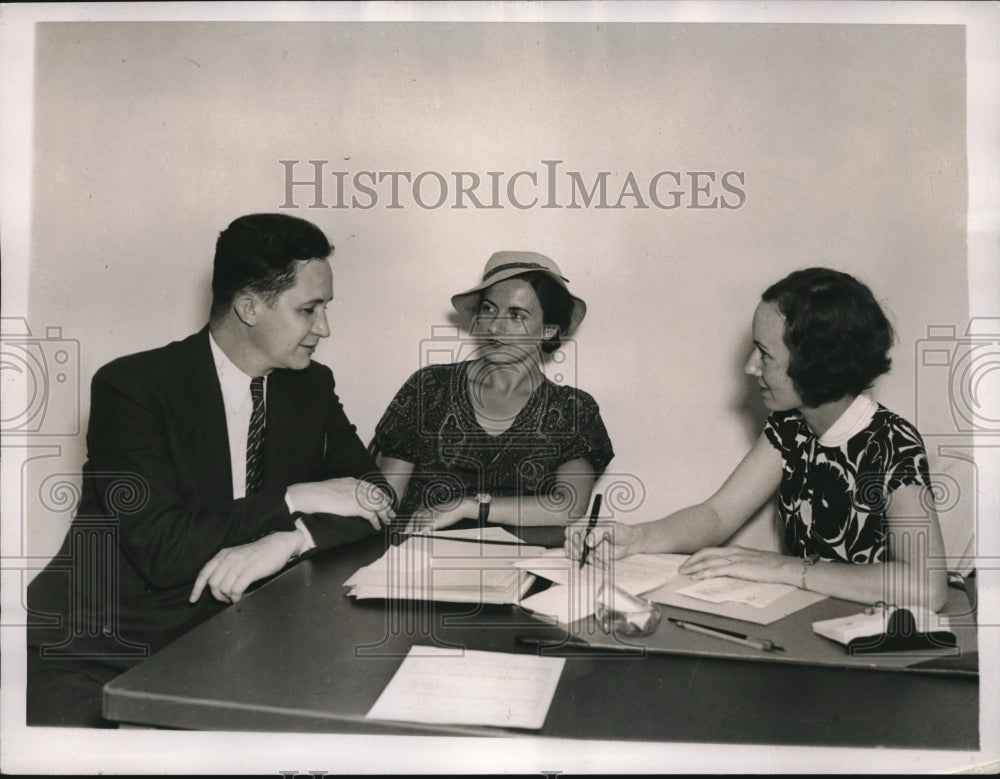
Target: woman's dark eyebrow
[509, 308]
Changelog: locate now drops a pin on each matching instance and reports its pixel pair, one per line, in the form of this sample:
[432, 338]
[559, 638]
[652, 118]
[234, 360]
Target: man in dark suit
[212, 463]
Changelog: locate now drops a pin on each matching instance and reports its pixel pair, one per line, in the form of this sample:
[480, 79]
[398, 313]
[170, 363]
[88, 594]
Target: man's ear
[245, 305]
[550, 331]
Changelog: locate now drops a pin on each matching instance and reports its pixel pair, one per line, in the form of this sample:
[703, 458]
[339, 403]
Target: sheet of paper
[641, 573]
[561, 603]
[552, 564]
[725, 589]
[635, 574]
[437, 685]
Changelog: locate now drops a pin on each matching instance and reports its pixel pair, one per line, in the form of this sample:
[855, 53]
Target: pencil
[764, 644]
[591, 524]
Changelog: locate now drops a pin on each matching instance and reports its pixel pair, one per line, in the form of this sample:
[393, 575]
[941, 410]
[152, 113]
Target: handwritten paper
[437, 685]
[725, 589]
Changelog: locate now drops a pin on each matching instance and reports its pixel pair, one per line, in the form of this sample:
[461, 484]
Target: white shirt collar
[234, 382]
[854, 419]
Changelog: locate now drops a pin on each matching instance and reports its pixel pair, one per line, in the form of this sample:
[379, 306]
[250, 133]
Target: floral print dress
[431, 423]
[835, 489]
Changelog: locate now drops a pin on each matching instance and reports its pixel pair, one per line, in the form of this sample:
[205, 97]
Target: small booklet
[888, 629]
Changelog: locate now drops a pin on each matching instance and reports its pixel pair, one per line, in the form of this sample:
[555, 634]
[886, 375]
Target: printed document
[437, 685]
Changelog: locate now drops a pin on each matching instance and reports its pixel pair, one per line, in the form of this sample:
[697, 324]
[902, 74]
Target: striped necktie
[255, 437]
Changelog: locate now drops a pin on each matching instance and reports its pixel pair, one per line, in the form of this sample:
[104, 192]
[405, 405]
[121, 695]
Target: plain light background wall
[150, 138]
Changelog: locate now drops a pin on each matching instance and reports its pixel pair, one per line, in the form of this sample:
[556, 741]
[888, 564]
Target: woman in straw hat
[854, 492]
[491, 436]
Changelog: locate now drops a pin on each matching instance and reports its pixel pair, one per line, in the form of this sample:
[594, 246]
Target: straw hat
[507, 265]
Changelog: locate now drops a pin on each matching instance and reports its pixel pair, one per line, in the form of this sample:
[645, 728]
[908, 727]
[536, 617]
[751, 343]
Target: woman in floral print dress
[491, 435]
[853, 488]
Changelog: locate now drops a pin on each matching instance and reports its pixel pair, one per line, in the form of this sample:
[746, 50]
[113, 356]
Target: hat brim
[466, 302]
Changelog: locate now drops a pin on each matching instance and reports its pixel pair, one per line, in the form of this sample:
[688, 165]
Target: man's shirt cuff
[307, 539]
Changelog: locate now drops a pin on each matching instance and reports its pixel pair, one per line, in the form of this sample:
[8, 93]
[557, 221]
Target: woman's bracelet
[809, 561]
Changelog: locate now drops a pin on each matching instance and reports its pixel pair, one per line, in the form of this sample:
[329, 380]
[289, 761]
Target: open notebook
[455, 567]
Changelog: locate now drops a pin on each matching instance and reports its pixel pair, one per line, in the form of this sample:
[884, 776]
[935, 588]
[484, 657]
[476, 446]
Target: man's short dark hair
[258, 252]
[836, 332]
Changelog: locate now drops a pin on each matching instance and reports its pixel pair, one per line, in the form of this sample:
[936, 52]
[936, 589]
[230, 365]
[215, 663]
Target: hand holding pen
[613, 540]
[591, 524]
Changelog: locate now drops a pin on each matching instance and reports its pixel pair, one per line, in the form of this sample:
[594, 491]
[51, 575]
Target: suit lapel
[290, 427]
[206, 415]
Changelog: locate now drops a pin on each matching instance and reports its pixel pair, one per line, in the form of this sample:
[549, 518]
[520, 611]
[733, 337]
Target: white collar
[235, 383]
[854, 419]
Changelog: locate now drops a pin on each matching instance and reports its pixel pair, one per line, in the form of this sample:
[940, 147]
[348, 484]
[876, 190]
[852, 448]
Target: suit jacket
[158, 479]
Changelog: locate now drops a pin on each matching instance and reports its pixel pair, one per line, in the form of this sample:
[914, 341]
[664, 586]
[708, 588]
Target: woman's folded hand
[742, 563]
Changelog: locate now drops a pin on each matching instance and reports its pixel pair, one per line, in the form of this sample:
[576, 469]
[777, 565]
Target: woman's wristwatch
[484, 499]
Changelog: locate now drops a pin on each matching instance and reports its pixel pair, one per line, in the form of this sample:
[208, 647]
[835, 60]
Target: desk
[299, 655]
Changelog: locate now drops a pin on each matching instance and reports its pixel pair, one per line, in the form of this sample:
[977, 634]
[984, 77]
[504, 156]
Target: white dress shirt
[235, 386]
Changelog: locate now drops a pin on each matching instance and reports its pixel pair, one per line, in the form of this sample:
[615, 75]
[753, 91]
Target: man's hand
[232, 570]
[346, 496]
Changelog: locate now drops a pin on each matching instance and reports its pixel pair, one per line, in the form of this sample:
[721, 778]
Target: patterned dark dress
[832, 500]
[432, 424]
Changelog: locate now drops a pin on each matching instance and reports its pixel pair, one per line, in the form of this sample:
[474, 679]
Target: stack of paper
[448, 567]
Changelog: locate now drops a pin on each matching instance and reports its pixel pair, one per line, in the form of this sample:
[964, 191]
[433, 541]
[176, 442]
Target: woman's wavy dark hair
[837, 334]
[556, 303]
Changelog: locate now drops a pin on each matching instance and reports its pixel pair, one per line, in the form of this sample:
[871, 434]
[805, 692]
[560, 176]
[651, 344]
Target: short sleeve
[591, 441]
[396, 433]
[905, 456]
[781, 430]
